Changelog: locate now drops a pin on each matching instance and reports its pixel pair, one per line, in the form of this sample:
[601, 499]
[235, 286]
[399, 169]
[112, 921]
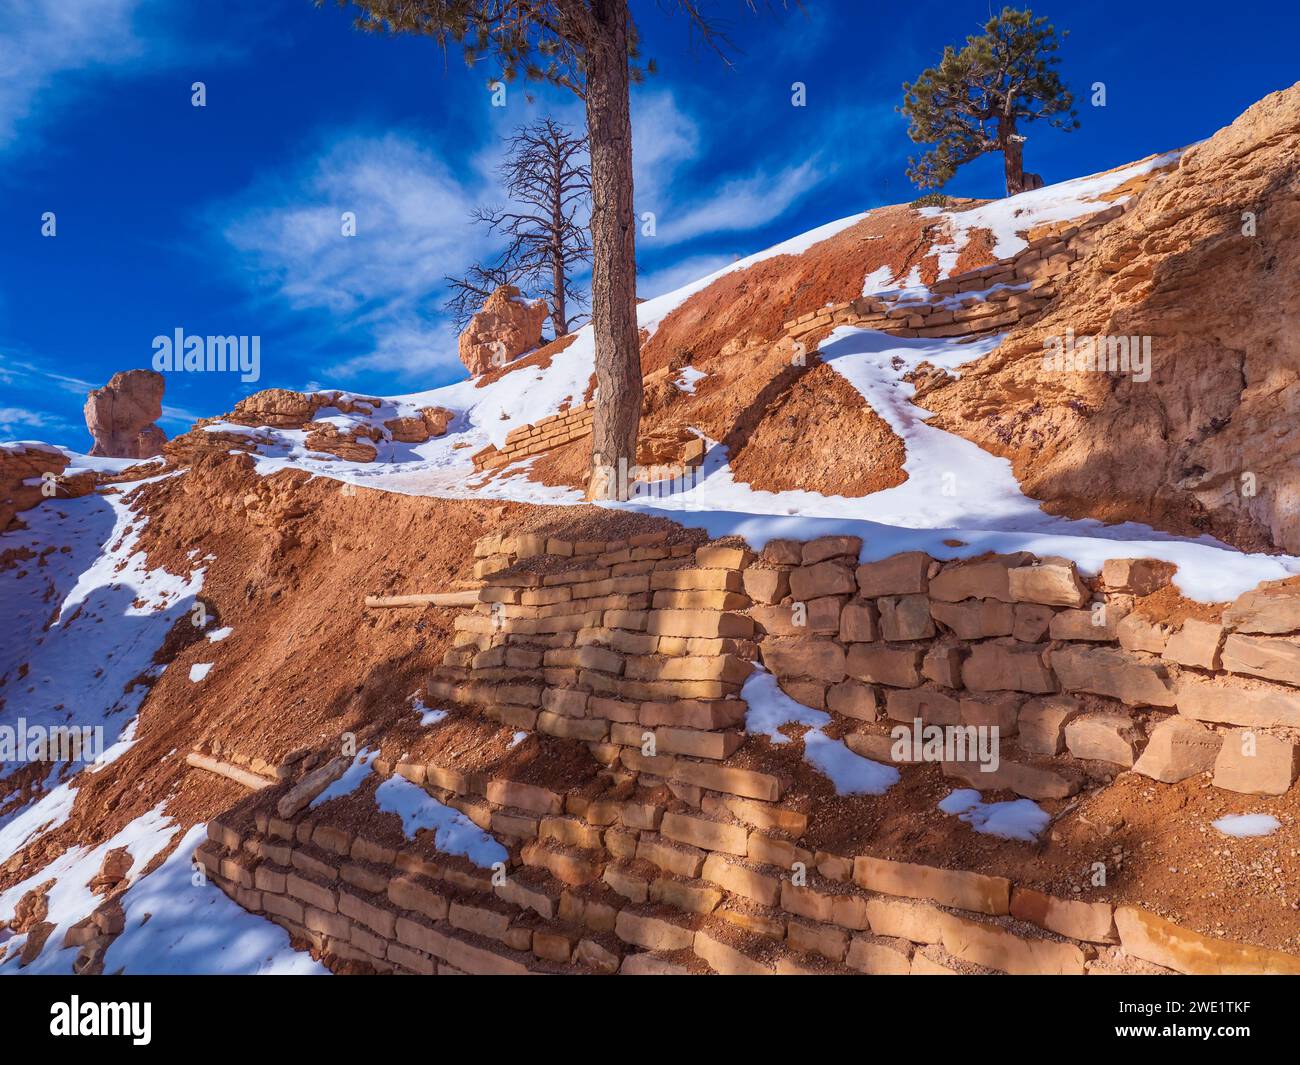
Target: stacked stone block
[985, 300]
[537, 437]
[641, 645]
[1062, 668]
[683, 858]
[627, 886]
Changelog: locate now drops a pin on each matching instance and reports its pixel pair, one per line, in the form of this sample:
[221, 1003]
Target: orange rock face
[431, 422]
[121, 416]
[23, 470]
[506, 327]
[1202, 263]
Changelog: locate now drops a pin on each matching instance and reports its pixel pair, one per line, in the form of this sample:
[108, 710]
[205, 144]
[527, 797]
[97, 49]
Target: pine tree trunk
[617, 415]
[1013, 157]
[559, 311]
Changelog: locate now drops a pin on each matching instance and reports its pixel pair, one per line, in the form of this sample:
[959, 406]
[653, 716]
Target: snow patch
[768, 708]
[1019, 819]
[879, 280]
[454, 833]
[1007, 218]
[352, 778]
[689, 378]
[177, 928]
[70, 898]
[427, 715]
[955, 492]
[1243, 826]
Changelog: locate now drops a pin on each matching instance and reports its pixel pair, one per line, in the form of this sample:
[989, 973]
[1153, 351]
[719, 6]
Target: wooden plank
[466, 598]
[245, 777]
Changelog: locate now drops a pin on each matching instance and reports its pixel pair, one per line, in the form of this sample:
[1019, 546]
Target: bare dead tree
[547, 178]
[470, 292]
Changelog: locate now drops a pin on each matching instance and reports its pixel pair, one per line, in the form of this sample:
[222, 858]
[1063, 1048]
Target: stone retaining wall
[1002, 294]
[1069, 671]
[608, 886]
[614, 639]
[540, 436]
[692, 861]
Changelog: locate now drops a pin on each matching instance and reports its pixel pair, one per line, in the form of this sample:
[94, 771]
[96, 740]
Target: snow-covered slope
[955, 493]
[88, 621]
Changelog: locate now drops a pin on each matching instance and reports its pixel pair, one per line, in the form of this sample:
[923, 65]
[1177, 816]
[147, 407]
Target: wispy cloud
[665, 140]
[24, 378]
[12, 418]
[381, 291]
[412, 228]
[411, 219]
[28, 371]
[742, 204]
[44, 44]
[55, 52]
[408, 345]
[677, 180]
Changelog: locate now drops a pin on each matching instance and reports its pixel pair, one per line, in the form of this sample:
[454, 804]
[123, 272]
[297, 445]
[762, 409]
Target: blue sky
[225, 219]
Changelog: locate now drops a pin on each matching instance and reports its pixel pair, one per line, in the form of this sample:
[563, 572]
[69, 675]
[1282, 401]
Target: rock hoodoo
[121, 415]
[508, 320]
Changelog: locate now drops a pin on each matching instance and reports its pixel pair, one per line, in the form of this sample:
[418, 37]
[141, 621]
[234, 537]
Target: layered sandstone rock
[1203, 264]
[505, 328]
[32, 472]
[121, 415]
[416, 429]
[283, 408]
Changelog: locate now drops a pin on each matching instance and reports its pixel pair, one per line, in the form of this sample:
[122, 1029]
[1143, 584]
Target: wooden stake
[469, 598]
[231, 772]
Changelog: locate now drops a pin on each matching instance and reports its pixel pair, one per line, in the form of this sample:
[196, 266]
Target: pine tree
[547, 178]
[591, 48]
[974, 101]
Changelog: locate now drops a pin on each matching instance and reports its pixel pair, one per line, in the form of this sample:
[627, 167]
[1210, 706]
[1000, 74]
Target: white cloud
[664, 140]
[412, 227]
[412, 221]
[686, 198]
[43, 43]
[18, 422]
[30, 372]
[408, 345]
[741, 204]
[177, 414]
[11, 416]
